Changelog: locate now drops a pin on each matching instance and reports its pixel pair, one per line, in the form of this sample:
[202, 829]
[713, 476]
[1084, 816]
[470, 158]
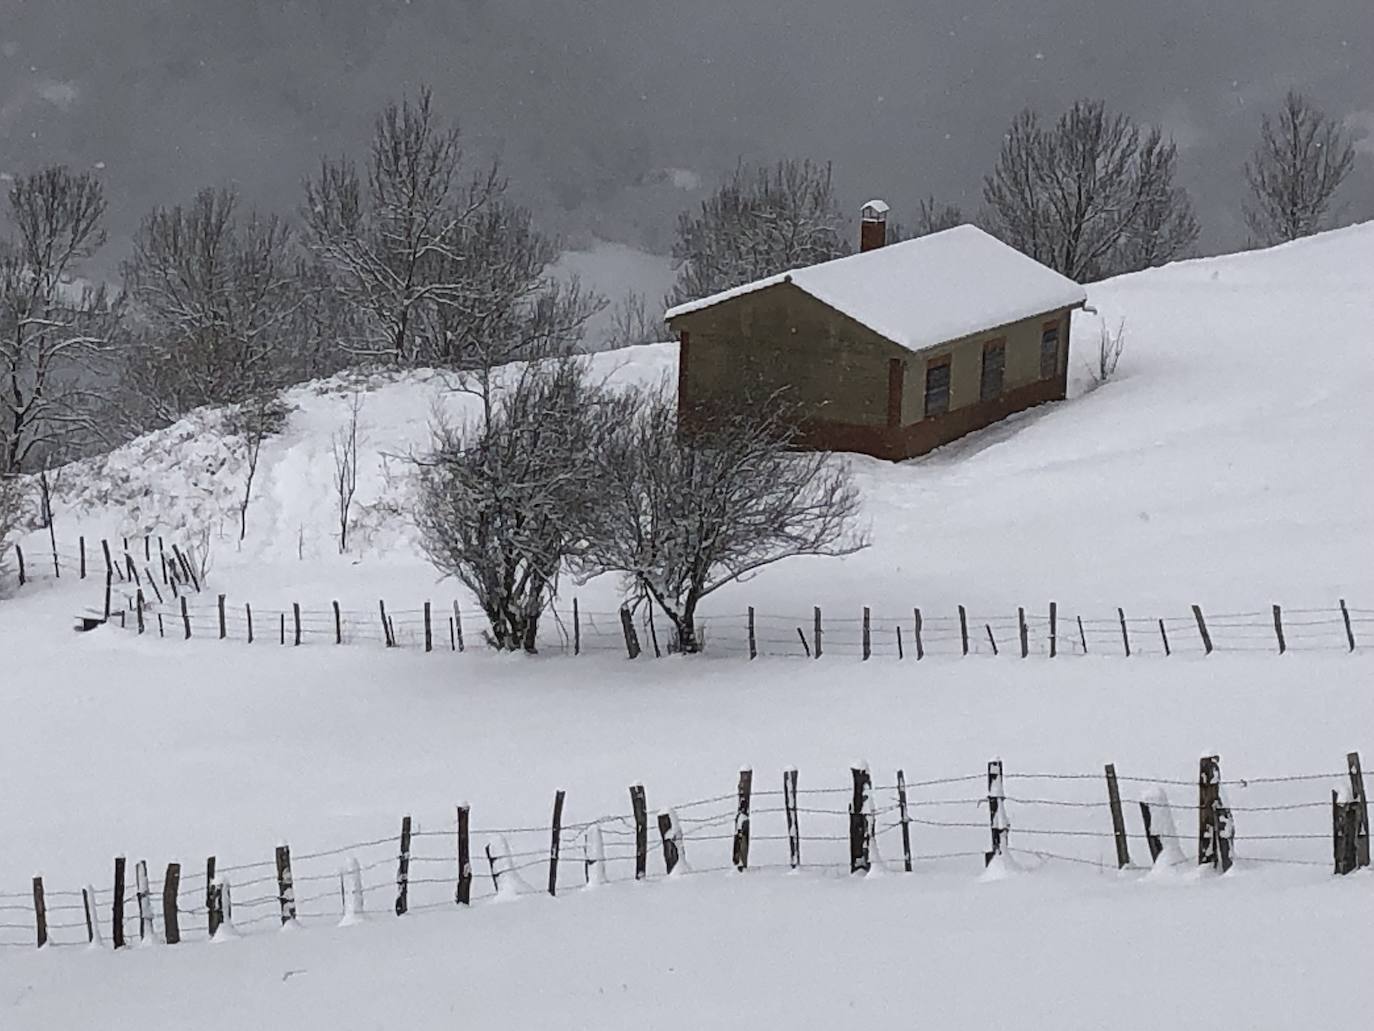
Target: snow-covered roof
[880, 206]
[926, 291]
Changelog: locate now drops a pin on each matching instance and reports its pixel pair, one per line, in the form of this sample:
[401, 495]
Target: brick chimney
[872, 225]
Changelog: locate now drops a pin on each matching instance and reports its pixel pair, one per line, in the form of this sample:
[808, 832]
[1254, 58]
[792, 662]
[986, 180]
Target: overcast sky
[591, 102]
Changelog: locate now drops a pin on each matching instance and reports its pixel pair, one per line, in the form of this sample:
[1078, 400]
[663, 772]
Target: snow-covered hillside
[1223, 466]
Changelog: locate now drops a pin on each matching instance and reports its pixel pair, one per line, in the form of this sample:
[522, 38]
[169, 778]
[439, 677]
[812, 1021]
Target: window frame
[945, 362]
[999, 347]
[1047, 328]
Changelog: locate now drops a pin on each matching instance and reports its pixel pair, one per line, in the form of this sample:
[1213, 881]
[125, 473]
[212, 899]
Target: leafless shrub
[253, 422]
[1109, 348]
[634, 323]
[344, 447]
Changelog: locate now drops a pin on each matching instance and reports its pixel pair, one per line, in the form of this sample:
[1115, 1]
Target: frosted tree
[687, 509]
[634, 322]
[222, 308]
[501, 501]
[931, 217]
[1091, 196]
[760, 221]
[1297, 168]
[11, 503]
[344, 450]
[55, 330]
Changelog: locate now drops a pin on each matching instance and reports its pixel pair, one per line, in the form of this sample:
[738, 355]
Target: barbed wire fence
[999, 820]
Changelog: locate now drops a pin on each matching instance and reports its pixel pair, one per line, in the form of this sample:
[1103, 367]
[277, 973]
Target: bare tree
[253, 422]
[388, 237]
[11, 508]
[1092, 196]
[54, 330]
[633, 323]
[223, 307]
[344, 446]
[1301, 161]
[501, 501]
[1109, 348]
[687, 509]
[931, 217]
[759, 222]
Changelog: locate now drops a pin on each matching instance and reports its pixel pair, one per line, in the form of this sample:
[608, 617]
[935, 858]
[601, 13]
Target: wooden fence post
[152, 582]
[858, 819]
[1216, 828]
[109, 562]
[740, 850]
[338, 623]
[296, 618]
[56, 564]
[1021, 629]
[905, 820]
[789, 802]
[93, 935]
[671, 834]
[1345, 821]
[653, 633]
[963, 628]
[1360, 801]
[40, 913]
[1202, 629]
[109, 590]
[577, 627]
[429, 632]
[920, 644]
[161, 630]
[19, 553]
[806, 645]
[133, 572]
[1054, 630]
[816, 632]
[1164, 636]
[555, 841]
[627, 628]
[386, 631]
[171, 887]
[1278, 629]
[901, 652]
[991, 640]
[753, 641]
[214, 916]
[403, 869]
[1082, 636]
[248, 613]
[138, 600]
[462, 895]
[997, 815]
[117, 917]
[1349, 633]
[186, 565]
[286, 885]
[1125, 634]
[641, 816]
[223, 623]
[1123, 849]
[186, 619]
[144, 896]
[867, 635]
[458, 625]
[282, 625]
[81, 554]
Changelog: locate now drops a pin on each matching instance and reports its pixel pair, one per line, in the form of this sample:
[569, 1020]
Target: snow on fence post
[740, 850]
[963, 628]
[627, 629]
[223, 908]
[286, 885]
[867, 633]
[1125, 634]
[555, 841]
[641, 817]
[143, 894]
[1216, 828]
[40, 913]
[214, 915]
[223, 623]
[93, 935]
[338, 623]
[753, 641]
[859, 844]
[998, 823]
[429, 632]
[1054, 630]
[503, 874]
[1160, 834]
[920, 644]
[671, 832]
[171, 886]
[1164, 636]
[186, 622]
[1202, 629]
[789, 802]
[117, 916]
[138, 600]
[1123, 849]
[462, 894]
[19, 553]
[816, 632]
[1278, 629]
[1349, 633]
[991, 640]
[1360, 800]
[594, 856]
[1023, 631]
[353, 901]
[904, 819]
[403, 870]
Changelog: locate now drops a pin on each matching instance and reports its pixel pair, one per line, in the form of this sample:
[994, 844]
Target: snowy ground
[1219, 468]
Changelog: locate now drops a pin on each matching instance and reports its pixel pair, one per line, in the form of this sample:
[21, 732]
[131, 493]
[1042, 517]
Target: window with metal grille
[1049, 351]
[937, 388]
[994, 364]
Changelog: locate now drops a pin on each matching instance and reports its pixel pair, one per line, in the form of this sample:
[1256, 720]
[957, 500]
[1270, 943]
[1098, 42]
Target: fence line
[900, 826]
[916, 634]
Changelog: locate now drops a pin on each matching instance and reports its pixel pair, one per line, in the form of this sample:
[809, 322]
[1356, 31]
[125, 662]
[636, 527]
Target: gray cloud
[589, 101]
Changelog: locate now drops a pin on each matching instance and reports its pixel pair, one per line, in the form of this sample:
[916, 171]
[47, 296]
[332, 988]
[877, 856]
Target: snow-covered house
[892, 351]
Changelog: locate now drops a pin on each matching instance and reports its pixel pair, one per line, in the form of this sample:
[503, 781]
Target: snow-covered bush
[11, 497]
